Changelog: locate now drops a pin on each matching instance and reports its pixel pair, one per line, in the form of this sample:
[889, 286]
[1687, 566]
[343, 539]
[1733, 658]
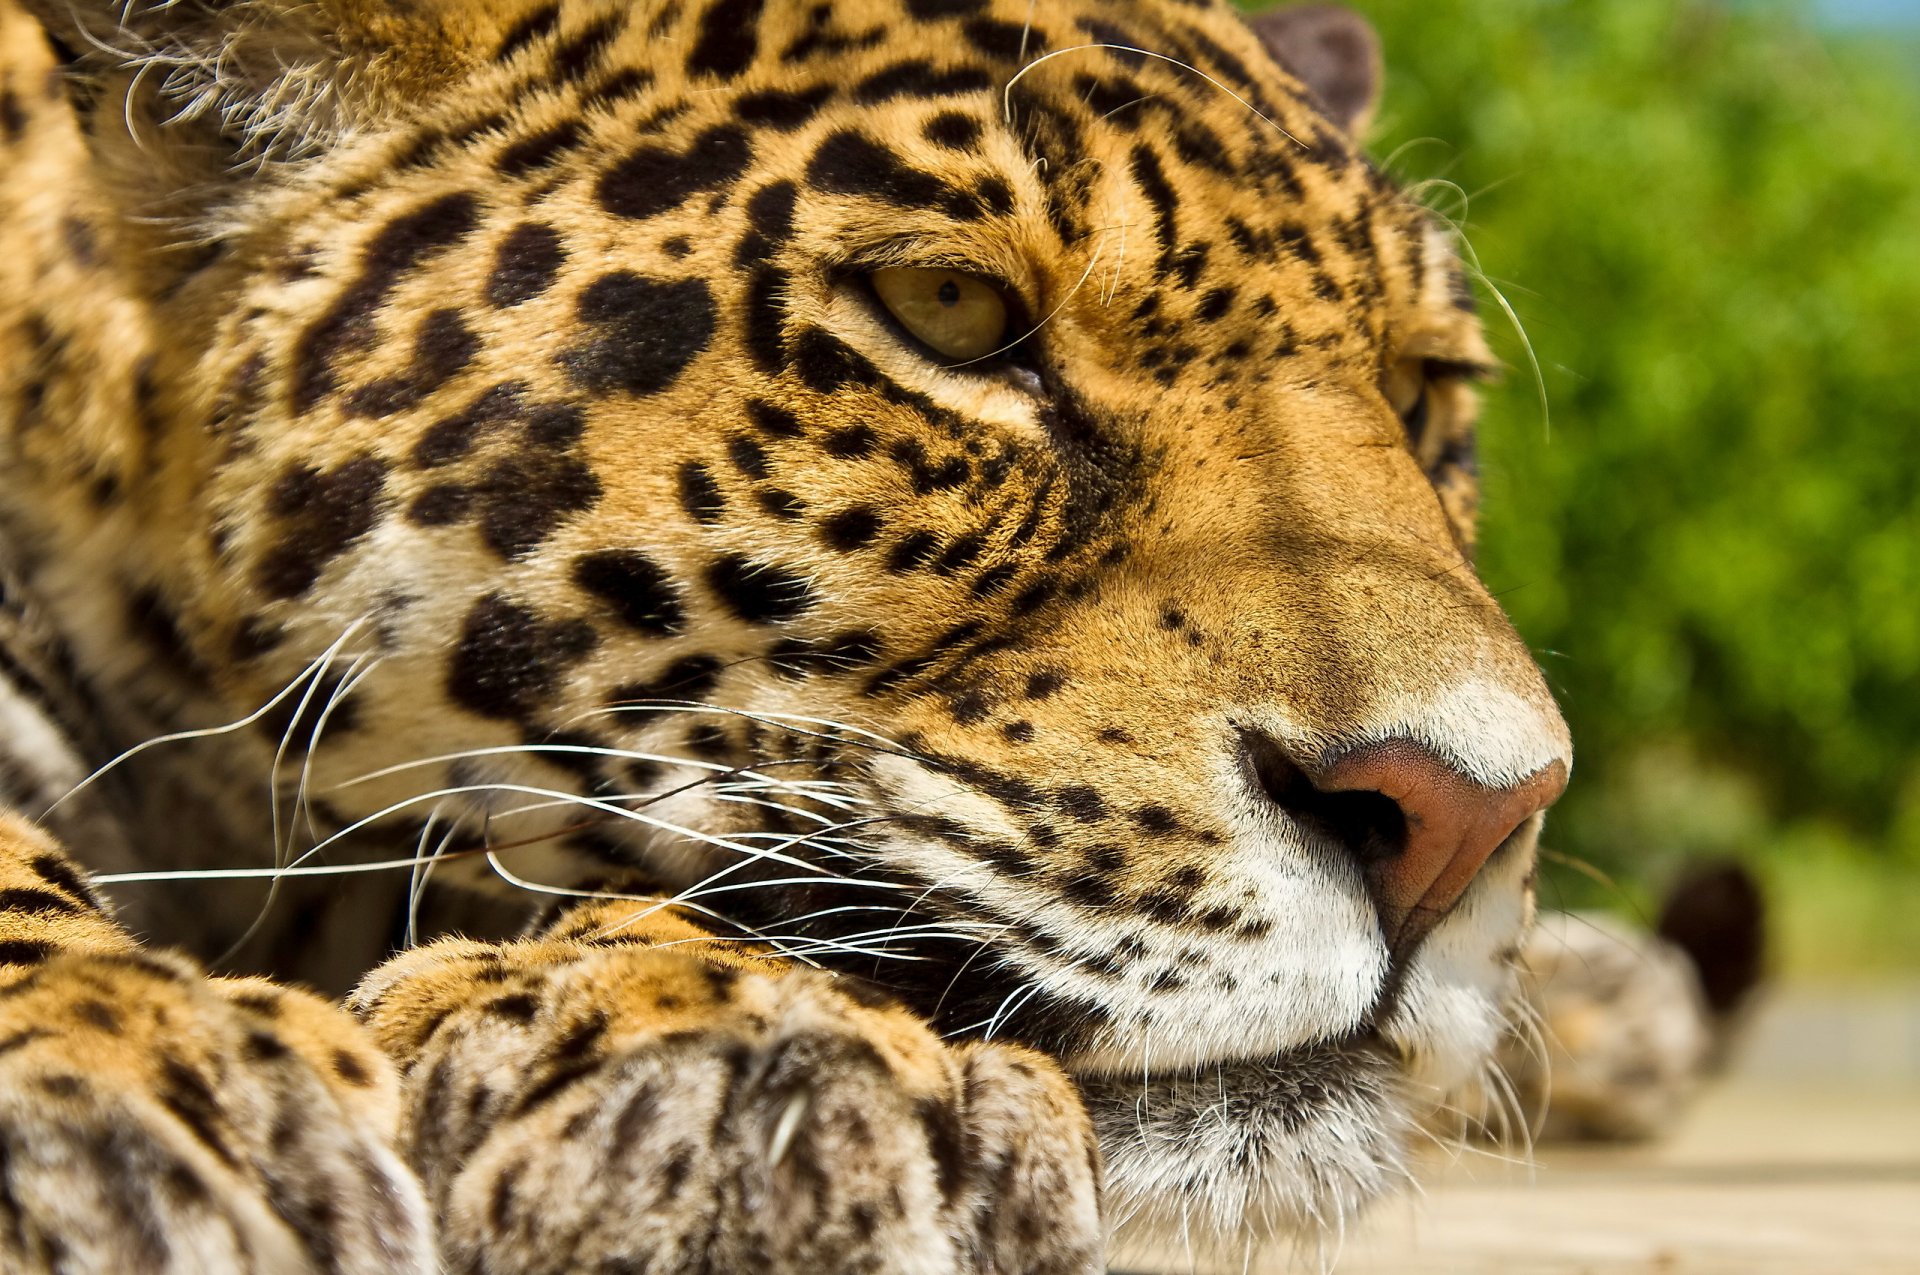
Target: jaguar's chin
[1240, 1153]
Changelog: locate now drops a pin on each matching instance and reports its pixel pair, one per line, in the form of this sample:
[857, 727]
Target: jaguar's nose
[1420, 828]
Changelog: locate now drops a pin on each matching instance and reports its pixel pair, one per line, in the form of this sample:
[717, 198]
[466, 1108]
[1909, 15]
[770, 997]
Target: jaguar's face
[979, 493]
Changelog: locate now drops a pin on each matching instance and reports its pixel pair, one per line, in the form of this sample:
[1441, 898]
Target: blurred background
[1699, 226]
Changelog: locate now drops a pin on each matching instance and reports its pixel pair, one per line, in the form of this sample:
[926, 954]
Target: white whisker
[210, 732]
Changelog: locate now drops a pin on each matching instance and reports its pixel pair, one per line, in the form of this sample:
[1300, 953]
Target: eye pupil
[949, 293]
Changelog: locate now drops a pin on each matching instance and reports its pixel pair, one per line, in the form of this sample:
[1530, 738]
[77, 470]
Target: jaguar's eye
[955, 315]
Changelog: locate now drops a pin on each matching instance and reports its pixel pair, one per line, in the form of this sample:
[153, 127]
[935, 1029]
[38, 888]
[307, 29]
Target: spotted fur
[492, 393]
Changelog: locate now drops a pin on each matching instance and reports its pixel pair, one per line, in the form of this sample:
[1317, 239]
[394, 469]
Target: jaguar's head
[978, 491]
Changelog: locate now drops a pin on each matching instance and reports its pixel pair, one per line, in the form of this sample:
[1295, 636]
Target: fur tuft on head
[180, 97]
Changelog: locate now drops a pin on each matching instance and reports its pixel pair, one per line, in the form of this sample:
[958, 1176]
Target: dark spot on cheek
[448, 440]
[13, 118]
[709, 740]
[528, 261]
[961, 553]
[1082, 802]
[767, 318]
[691, 677]
[443, 346]
[759, 593]
[1004, 41]
[728, 38]
[826, 363]
[646, 332]
[256, 637]
[1214, 304]
[748, 456]
[851, 528]
[970, 707]
[154, 622]
[851, 442]
[782, 110]
[350, 1069]
[952, 130]
[639, 589]
[509, 661]
[442, 505]
[781, 504]
[628, 81]
[1186, 880]
[553, 426]
[699, 494]
[1166, 981]
[525, 496]
[850, 163]
[770, 211]
[1156, 819]
[1043, 684]
[541, 22]
[932, 10]
[918, 77]
[1089, 892]
[774, 420]
[913, 550]
[653, 180]
[320, 515]
[994, 195]
[1220, 918]
[398, 248]
[540, 150]
[579, 54]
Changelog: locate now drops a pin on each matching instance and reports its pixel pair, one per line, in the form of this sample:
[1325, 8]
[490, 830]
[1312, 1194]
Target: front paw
[154, 1120]
[580, 1107]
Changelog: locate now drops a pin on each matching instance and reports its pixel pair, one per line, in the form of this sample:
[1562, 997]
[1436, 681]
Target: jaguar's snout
[1419, 826]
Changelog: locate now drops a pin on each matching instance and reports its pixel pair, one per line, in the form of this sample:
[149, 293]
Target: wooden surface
[1806, 1159]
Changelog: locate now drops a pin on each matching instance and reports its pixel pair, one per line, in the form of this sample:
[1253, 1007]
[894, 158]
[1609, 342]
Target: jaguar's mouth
[1247, 1151]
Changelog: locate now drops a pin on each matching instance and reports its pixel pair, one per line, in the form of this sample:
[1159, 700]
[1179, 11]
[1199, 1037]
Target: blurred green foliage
[1706, 217]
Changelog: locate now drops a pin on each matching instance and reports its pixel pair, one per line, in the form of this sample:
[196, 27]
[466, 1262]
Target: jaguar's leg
[623, 1093]
[156, 1120]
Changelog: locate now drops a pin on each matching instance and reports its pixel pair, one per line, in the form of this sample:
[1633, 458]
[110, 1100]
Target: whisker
[355, 675]
[568, 892]
[614, 754]
[858, 738]
[283, 846]
[417, 886]
[266, 874]
[210, 732]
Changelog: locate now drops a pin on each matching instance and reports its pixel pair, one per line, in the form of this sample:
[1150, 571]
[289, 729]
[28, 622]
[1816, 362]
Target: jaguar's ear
[1334, 52]
[178, 97]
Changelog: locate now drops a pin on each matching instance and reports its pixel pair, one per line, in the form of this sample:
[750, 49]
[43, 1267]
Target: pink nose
[1419, 828]
[1453, 826]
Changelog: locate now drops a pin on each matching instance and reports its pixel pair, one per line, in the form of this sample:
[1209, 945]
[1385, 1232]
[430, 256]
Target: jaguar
[732, 635]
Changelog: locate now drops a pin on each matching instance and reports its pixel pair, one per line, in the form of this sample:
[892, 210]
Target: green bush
[1707, 218]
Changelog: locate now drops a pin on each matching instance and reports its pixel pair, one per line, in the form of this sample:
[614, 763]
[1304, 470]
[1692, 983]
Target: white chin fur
[1229, 1157]
[1245, 1153]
